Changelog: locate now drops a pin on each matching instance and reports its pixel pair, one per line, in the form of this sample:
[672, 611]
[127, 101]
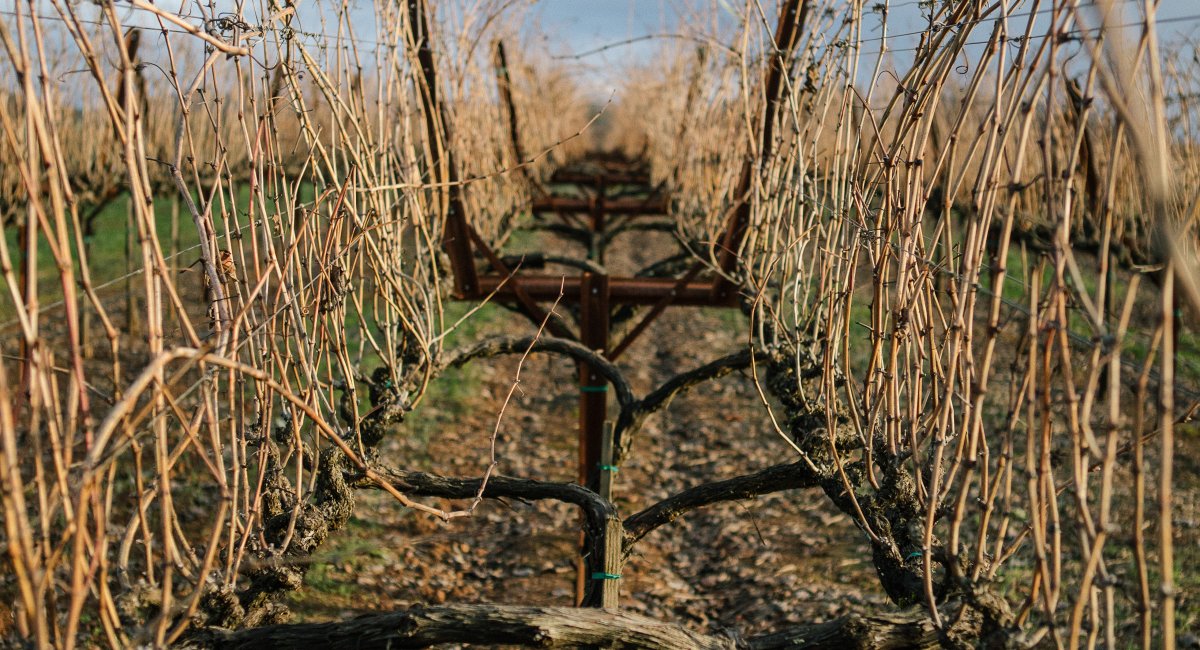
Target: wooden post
[609, 578]
[608, 471]
[604, 570]
[614, 533]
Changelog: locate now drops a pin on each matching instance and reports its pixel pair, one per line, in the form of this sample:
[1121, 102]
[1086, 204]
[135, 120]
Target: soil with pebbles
[749, 566]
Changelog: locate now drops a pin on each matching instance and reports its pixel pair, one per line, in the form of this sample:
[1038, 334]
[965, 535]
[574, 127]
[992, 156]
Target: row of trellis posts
[597, 294]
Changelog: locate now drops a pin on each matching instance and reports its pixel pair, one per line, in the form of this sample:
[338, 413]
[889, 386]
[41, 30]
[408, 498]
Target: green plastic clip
[603, 388]
[606, 576]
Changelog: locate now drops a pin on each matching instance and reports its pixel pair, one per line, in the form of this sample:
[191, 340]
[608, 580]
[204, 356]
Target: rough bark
[773, 479]
[633, 414]
[876, 631]
[602, 528]
[595, 509]
[518, 345]
[564, 627]
[421, 627]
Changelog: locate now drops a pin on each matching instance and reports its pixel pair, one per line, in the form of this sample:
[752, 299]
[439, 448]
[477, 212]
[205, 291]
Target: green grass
[732, 320]
[454, 386]
[106, 257]
[105, 249]
[357, 546]
[1136, 344]
[107, 262]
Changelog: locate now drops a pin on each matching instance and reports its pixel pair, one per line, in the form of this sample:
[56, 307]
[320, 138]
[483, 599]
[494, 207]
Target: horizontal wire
[250, 31]
[1077, 338]
[259, 32]
[1066, 34]
[43, 309]
[347, 43]
[943, 26]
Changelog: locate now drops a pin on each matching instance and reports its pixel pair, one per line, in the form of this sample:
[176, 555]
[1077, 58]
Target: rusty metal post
[597, 218]
[593, 396]
[598, 573]
[593, 392]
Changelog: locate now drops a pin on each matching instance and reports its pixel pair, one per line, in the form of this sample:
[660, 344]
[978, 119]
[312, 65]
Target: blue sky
[574, 26]
[570, 27]
[584, 24]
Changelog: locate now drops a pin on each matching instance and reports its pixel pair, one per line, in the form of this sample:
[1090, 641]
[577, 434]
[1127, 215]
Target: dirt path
[746, 566]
